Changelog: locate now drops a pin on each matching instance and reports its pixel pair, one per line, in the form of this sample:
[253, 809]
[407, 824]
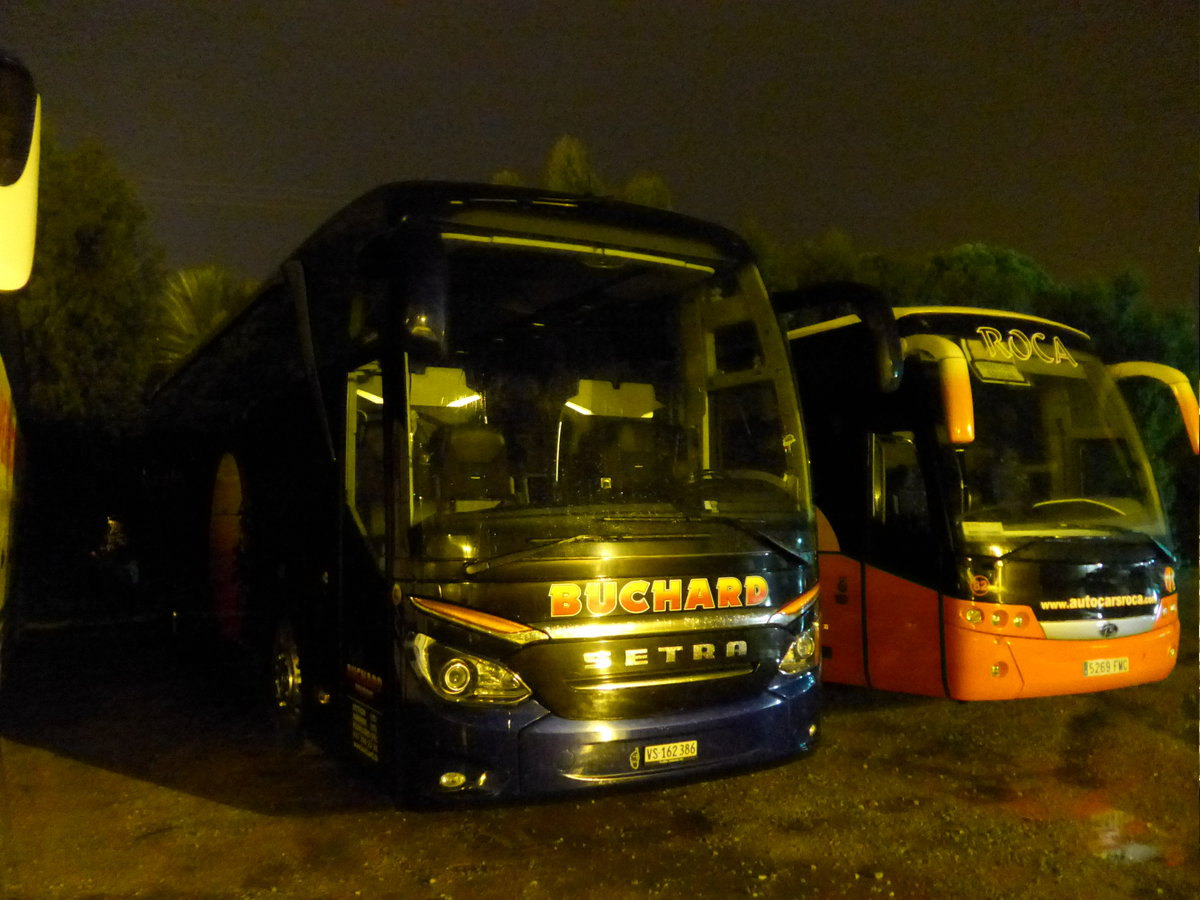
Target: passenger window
[899, 487]
[736, 347]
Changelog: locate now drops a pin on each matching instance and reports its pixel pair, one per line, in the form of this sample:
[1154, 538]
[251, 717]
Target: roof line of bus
[405, 198]
[903, 311]
[422, 197]
[900, 311]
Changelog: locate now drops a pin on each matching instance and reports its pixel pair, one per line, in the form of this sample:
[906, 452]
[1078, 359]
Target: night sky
[1064, 130]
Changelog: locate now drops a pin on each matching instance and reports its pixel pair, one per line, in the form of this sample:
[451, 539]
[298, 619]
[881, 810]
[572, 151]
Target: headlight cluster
[464, 677]
[804, 652]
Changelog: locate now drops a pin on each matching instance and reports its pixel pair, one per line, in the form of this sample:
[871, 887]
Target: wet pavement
[130, 766]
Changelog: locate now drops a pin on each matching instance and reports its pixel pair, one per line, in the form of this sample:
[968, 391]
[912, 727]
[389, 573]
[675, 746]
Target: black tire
[9, 639]
[228, 550]
[286, 680]
[5, 652]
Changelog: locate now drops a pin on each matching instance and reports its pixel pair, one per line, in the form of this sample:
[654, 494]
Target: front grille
[628, 677]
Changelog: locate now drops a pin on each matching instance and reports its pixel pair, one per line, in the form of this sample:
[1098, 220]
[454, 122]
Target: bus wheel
[227, 550]
[287, 684]
[4, 651]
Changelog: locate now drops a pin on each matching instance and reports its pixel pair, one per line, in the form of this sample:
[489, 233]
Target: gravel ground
[128, 769]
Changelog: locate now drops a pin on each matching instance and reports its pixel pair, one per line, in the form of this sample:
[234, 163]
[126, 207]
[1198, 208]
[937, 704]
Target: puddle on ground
[1109, 833]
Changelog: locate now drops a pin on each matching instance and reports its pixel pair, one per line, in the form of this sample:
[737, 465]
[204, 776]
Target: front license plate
[1114, 666]
[669, 753]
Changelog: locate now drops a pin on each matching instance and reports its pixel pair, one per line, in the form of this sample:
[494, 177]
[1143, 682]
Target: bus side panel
[842, 620]
[904, 643]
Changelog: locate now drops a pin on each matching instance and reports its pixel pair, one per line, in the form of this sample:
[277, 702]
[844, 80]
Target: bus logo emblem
[1108, 629]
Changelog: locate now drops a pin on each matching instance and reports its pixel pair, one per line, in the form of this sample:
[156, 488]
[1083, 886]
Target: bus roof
[923, 319]
[389, 205]
[466, 207]
[975, 312]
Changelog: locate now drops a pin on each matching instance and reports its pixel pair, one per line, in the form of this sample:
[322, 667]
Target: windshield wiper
[1110, 529]
[1131, 532]
[761, 536]
[482, 565]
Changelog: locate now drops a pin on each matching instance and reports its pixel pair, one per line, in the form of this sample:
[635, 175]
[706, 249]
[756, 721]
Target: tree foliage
[569, 169]
[88, 316]
[195, 303]
[647, 189]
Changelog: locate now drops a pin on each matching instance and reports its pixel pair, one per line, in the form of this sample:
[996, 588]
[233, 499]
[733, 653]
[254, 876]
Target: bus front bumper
[528, 753]
[994, 667]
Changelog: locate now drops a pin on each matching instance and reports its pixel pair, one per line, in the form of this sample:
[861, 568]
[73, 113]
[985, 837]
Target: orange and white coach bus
[990, 525]
[20, 127]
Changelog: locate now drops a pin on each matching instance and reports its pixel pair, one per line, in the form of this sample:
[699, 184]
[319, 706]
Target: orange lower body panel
[882, 631]
[982, 666]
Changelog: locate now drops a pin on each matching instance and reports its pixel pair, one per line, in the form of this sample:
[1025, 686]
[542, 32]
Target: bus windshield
[589, 397]
[1055, 453]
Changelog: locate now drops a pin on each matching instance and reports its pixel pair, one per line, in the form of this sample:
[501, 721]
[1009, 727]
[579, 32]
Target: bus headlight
[464, 677]
[802, 654]
[456, 677]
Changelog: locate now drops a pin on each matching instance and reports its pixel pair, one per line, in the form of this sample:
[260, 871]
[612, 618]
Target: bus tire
[10, 638]
[286, 674]
[227, 550]
[5, 652]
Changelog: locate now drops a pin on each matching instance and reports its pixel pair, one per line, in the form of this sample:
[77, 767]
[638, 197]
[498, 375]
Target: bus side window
[747, 432]
[900, 503]
[365, 485]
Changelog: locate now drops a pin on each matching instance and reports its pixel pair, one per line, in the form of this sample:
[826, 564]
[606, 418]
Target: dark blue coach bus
[514, 487]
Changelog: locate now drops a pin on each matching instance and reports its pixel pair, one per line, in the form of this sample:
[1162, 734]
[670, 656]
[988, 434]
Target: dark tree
[89, 314]
[569, 168]
[195, 303]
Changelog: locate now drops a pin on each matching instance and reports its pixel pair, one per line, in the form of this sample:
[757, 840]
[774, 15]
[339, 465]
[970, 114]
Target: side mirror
[955, 377]
[413, 259]
[20, 133]
[874, 310]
